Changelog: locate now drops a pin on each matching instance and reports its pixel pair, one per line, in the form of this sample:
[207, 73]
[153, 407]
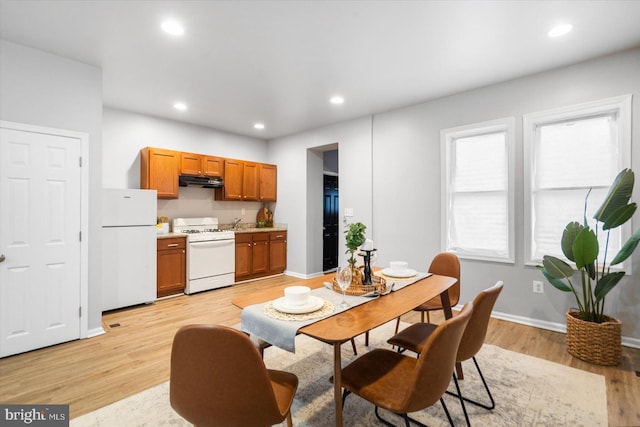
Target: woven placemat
[326, 309]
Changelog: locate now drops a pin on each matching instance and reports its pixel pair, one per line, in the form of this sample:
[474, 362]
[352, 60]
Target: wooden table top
[343, 326]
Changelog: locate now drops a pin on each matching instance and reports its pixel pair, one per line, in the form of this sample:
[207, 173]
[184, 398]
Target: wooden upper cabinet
[250, 183]
[213, 166]
[159, 171]
[190, 164]
[268, 182]
[232, 189]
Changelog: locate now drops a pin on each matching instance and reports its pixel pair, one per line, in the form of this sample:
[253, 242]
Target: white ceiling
[279, 62]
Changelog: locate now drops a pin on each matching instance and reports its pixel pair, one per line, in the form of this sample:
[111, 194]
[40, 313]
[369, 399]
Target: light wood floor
[134, 355]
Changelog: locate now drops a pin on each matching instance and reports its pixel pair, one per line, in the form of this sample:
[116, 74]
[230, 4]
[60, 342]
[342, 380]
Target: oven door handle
[212, 243]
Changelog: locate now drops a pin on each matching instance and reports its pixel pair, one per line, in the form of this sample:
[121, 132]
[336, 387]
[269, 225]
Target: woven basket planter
[599, 343]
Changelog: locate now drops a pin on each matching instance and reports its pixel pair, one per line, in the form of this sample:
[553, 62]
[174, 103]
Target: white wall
[300, 163]
[125, 133]
[42, 89]
[407, 194]
[391, 175]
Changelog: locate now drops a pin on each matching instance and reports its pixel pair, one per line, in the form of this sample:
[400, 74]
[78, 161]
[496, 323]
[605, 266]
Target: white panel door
[39, 238]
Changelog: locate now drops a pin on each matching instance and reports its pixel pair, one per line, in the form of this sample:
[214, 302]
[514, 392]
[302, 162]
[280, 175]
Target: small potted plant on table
[355, 237]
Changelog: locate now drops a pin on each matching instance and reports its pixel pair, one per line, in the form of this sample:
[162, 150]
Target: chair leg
[408, 420]
[345, 393]
[289, 419]
[422, 316]
[446, 411]
[366, 339]
[385, 422]
[464, 408]
[397, 324]
[486, 387]
[353, 345]
[428, 317]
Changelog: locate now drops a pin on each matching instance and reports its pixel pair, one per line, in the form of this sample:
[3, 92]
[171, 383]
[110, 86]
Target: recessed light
[181, 106]
[337, 100]
[560, 30]
[259, 125]
[173, 27]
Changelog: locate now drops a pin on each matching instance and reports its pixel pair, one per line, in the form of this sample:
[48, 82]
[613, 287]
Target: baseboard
[302, 276]
[95, 332]
[551, 326]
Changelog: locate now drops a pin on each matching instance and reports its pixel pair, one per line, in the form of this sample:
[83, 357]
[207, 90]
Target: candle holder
[366, 280]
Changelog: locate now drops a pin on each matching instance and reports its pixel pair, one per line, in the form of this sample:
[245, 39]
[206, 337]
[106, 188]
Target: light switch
[348, 211]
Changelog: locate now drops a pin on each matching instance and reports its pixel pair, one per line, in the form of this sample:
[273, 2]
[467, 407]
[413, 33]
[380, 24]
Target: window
[567, 152]
[477, 205]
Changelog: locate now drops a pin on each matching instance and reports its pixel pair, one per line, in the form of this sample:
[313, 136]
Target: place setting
[298, 304]
[400, 274]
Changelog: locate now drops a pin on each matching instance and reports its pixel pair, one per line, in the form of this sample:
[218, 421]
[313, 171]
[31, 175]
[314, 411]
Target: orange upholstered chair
[403, 384]
[416, 337]
[219, 379]
[444, 264]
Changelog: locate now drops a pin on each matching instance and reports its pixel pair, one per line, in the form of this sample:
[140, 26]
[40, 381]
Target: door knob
[2, 258]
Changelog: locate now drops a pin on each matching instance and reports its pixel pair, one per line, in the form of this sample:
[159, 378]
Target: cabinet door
[159, 171]
[232, 189]
[260, 258]
[278, 252]
[190, 164]
[171, 266]
[250, 181]
[268, 182]
[244, 251]
[213, 166]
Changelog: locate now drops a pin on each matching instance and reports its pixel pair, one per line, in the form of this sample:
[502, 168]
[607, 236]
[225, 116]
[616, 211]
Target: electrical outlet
[538, 287]
[348, 211]
[243, 211]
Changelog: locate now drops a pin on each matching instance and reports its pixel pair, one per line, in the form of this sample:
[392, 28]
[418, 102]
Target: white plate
[409, 272]
[314, 303]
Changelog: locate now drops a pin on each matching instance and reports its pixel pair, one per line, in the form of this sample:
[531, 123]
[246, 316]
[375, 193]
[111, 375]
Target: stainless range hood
[200, 181]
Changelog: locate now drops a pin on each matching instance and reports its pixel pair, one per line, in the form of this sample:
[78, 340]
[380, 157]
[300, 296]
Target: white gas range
[210, 253]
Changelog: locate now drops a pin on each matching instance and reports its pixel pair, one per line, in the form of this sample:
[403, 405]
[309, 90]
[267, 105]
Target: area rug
[528, 392]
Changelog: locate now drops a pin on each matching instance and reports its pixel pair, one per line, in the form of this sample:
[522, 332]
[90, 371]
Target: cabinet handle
[172, 245]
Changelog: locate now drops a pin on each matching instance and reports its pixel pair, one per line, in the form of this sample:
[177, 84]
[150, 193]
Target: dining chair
[403, 384]
[416, 337]
[443, 264]
[219, 379]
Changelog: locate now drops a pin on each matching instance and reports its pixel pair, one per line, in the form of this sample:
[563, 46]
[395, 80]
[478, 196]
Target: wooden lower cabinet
[277, 252]
[172, 266]
[260, 254]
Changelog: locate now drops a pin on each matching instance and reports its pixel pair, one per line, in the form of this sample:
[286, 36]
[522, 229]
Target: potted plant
[591, 335]
[355, 237]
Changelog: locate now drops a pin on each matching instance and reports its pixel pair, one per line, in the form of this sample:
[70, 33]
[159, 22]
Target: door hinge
[80, 311]
[80, 161]
[80, 236]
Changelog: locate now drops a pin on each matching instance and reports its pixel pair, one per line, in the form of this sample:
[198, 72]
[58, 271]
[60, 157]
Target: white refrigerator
[128, 247]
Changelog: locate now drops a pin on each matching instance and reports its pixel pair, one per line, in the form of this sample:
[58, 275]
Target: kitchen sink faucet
[236, 221]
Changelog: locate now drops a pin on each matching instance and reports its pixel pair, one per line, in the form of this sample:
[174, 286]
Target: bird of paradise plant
[580, 245]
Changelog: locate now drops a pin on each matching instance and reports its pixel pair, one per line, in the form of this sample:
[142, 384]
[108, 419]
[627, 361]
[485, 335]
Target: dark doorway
[330, 223]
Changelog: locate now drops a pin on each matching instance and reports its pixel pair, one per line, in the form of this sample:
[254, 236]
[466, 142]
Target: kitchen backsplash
[199, 202]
